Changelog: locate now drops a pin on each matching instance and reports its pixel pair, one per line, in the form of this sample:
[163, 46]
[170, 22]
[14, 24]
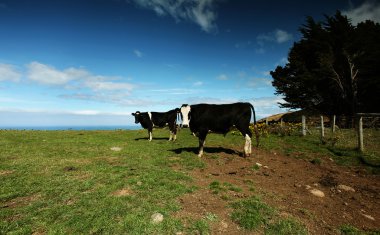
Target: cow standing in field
[148, 120]
[219, 118]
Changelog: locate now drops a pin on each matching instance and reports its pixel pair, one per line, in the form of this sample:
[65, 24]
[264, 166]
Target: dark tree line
[333, 69]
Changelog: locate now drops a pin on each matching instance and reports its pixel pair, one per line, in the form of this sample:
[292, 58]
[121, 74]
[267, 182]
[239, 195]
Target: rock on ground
[317, 193]
[345, 188]
[117, 149]
[157, 218]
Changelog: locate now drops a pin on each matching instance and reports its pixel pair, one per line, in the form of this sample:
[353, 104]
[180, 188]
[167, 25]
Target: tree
[368, 36]
[333, 69]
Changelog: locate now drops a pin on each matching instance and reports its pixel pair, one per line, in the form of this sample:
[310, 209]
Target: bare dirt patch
[6, 172]
[122, 192]
[21, 201]
[285, 184]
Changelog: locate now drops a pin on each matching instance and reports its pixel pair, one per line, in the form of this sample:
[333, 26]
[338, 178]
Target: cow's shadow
[154, 138]
[206, 150]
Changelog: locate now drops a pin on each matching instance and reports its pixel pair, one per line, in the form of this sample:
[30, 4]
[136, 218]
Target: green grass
[251, 213]
[67, 182]
[216, 187]
[351, 230]
[286, 226]
[70, 182]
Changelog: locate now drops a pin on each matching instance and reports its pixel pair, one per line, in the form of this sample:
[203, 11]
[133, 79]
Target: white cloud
[278, 35]
[138, 53]
[200, 12]
[62, 111]
[222, 77]
[203, 15]
[108, 86]
[9, 73]
[209, 100]
[268, 101]
[198, 83]
[119, 98]
[284, 60]
[49, 75]
[15, 117]
[369, 10]
[267, 106]
[260, 50]
[90, 87]
[259, 82]
[176, 91]
[282, 36]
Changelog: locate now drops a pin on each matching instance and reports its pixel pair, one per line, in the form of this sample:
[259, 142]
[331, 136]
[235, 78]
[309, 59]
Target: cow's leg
[173, 132]
[201, 145]
[247, 146]
[202, 138]
[150, 134]
[171, 136]
[248, 143]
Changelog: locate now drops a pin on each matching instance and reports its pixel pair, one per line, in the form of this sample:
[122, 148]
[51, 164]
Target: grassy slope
[72, 182]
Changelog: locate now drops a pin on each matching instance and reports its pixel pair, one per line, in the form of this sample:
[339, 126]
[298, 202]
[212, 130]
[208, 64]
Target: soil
[284, 183]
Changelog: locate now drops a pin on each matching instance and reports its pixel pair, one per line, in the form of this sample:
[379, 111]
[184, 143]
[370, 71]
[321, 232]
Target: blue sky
[93, 62]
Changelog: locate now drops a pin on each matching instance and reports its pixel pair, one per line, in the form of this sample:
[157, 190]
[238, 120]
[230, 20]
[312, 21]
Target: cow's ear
[133, 114]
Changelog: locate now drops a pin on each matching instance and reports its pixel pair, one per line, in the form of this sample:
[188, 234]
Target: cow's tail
[255, 126]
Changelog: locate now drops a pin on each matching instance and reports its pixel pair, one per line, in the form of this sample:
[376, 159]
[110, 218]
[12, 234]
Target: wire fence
[364, 136]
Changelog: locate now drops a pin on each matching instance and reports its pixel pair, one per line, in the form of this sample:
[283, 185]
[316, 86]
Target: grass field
[73, 182]
[112, 182]
[341, 146]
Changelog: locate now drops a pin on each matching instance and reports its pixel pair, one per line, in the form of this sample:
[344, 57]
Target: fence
[360, 127]
[310, 123]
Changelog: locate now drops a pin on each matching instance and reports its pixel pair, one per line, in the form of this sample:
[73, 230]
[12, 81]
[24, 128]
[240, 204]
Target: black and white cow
[219, 118]
[148, 120]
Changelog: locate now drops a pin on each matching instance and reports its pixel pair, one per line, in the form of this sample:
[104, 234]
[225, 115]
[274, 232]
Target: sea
[77, 128]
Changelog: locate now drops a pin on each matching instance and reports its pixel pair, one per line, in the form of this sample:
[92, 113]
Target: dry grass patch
[6, 172]
[122, 192]
[21, 201]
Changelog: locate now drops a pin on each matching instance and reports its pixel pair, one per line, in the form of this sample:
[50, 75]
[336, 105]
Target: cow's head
[136, 115]
[185, 115]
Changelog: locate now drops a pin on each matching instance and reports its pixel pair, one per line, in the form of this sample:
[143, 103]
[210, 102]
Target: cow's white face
[185, 110]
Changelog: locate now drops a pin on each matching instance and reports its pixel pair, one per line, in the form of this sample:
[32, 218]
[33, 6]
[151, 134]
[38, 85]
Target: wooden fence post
[322, 128]
[303, 125]
[281, 122]
[333, 124]
[266, 121]
[360, 134]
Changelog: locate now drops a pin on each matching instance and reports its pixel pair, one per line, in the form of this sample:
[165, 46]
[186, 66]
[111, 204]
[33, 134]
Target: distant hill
[294, 117]
[273, 118]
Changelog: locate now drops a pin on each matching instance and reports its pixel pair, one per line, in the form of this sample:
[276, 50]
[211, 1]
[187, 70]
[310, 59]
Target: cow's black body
[148, 120]
[220, 118]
